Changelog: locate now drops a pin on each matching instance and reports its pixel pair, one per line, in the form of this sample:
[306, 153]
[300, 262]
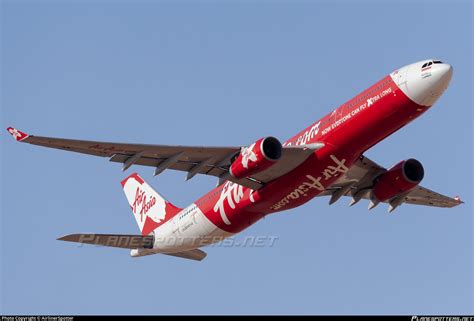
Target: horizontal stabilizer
[121, 241]
[196, 254]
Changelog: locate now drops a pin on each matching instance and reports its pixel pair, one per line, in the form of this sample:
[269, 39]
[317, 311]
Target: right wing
[214, 161]
[359, 180]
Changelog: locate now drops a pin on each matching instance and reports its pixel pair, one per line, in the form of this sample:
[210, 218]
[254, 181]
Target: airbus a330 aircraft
[267, 177]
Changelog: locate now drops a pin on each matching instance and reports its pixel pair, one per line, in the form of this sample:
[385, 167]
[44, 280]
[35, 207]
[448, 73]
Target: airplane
[267, 176]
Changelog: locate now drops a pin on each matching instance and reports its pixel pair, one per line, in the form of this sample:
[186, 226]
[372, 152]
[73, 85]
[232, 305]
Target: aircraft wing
[214, 161]
[358, 182]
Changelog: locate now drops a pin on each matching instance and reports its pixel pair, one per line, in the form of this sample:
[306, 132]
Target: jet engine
[255, 158]
[397, 180]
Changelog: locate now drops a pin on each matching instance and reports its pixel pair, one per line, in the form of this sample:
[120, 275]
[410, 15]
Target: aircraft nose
[441, 76]
[427, 80]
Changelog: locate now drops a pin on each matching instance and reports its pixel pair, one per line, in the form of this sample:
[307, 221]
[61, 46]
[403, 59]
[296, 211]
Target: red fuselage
[347, 132]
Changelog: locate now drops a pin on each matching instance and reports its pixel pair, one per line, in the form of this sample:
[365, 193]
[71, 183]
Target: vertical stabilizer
[149, 208]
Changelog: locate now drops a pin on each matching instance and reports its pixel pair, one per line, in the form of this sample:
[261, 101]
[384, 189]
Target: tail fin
[149, 208]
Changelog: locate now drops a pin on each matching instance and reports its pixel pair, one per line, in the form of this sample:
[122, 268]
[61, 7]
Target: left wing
[358, 182]
[214, 161]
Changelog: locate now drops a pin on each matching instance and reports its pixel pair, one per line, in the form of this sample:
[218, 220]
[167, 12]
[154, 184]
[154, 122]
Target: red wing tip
[17, 135]
[458, 199]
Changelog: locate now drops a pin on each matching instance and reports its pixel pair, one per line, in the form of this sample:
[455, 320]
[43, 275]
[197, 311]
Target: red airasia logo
[248, 154]
[142, 203]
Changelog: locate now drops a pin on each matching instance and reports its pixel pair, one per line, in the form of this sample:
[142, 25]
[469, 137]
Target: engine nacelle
[399, 179]
[256, 157]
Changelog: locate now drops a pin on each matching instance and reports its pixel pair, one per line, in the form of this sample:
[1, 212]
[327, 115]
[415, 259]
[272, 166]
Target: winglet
[458, 199]
[18, 135]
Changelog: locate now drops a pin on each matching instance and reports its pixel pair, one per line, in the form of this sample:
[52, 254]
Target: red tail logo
[142, 203]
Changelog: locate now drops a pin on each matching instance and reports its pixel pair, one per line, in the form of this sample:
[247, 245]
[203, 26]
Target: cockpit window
[429, 63]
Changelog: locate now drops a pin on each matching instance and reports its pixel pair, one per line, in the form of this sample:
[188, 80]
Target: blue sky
[209, 73]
